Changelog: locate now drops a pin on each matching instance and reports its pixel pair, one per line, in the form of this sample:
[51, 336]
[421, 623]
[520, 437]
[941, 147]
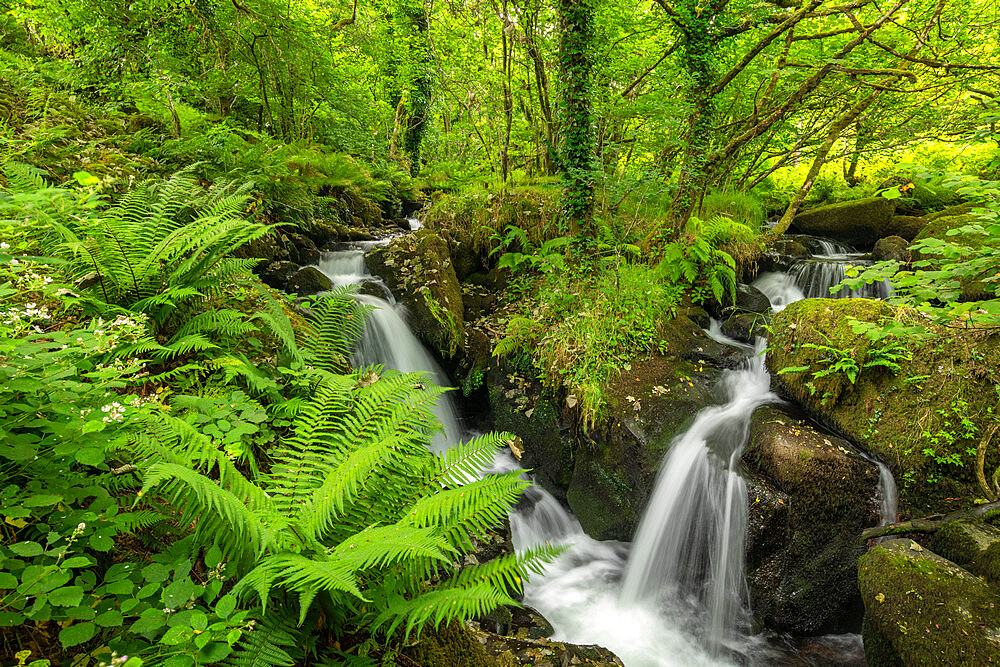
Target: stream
[677, 594]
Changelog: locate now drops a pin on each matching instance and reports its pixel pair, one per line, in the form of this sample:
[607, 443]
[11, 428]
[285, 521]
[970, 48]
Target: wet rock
[277, 274]
[858, 223]
[746, 326]
[518, 652]
[907, 226]
[782, 255]
[374, 288]
[921, 609]
[807, 583]
[747, 299]
[418, 270]
[308, 281]
[301, 248]
[892, 247]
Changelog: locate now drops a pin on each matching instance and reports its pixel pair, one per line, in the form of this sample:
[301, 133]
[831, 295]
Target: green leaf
[225, 606]
[77, 633]
[67, 596]
[26, 549]
[214, 651]
[110, 618]
[177, 635]
[77, 561]
[213, 556]
[7, 580]
[86, 179]
[149, 621]
[155, 573]
[90, 456]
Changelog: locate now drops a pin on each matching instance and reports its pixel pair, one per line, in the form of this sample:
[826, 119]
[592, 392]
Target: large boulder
[308, 281]
[944, 228]
[906, 226]
[921, 609]
[858, 223]
[972, 544]
[957, 209]
[922, 420]
[418, 270]
[276, 274]
[606, 470]
[822, 494]
[745, 327]
[892, 247]
[746, 299]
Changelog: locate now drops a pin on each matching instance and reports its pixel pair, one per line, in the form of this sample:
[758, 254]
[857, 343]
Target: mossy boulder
[906, 226]
[942, 228]
[807, 582]
[921, 609]
[951, 211]
[920, 419]
[418, 270]
[974, 545]
[308, 281]
[746, 327]
[859, 223]
[606, 471]
[277, 274]
[891, 247]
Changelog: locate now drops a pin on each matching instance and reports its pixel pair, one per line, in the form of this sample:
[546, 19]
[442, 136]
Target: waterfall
[690, 541]
[813, 277]
[388, 340]
[888, 498]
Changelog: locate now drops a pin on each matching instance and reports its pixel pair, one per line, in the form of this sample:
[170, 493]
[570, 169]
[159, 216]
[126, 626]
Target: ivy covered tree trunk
[697, 24]
[576, 67]
[415, 77]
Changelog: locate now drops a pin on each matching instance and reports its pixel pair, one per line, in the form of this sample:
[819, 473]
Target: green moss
[939, 401]
[449, 646]
[928, 610]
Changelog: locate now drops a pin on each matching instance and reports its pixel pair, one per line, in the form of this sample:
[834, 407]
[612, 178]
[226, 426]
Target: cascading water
[888, 497]
[690, 541]
[388, 340]
[680, 597]
[813, 277]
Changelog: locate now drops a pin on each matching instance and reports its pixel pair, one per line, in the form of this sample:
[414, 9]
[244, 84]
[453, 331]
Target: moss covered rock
[891, 247]
[941, 228]
[308, 281]
[418, 270]
[974, 545]
[807, 583]
[921, 609]
[529, 652]
[906, 226]
[859, 223]
[920, 420]
[957, 209]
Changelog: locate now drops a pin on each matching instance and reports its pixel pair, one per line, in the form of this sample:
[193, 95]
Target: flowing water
[676, 595]
[813, 277]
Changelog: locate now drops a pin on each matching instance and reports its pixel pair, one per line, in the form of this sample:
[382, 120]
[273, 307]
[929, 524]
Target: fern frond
[467, 461]
[271, 643]
[441, 606]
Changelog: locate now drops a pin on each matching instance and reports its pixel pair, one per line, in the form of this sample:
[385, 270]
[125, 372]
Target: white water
[681, 597]
[813, 277]
[888, 498]
[690, 542]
